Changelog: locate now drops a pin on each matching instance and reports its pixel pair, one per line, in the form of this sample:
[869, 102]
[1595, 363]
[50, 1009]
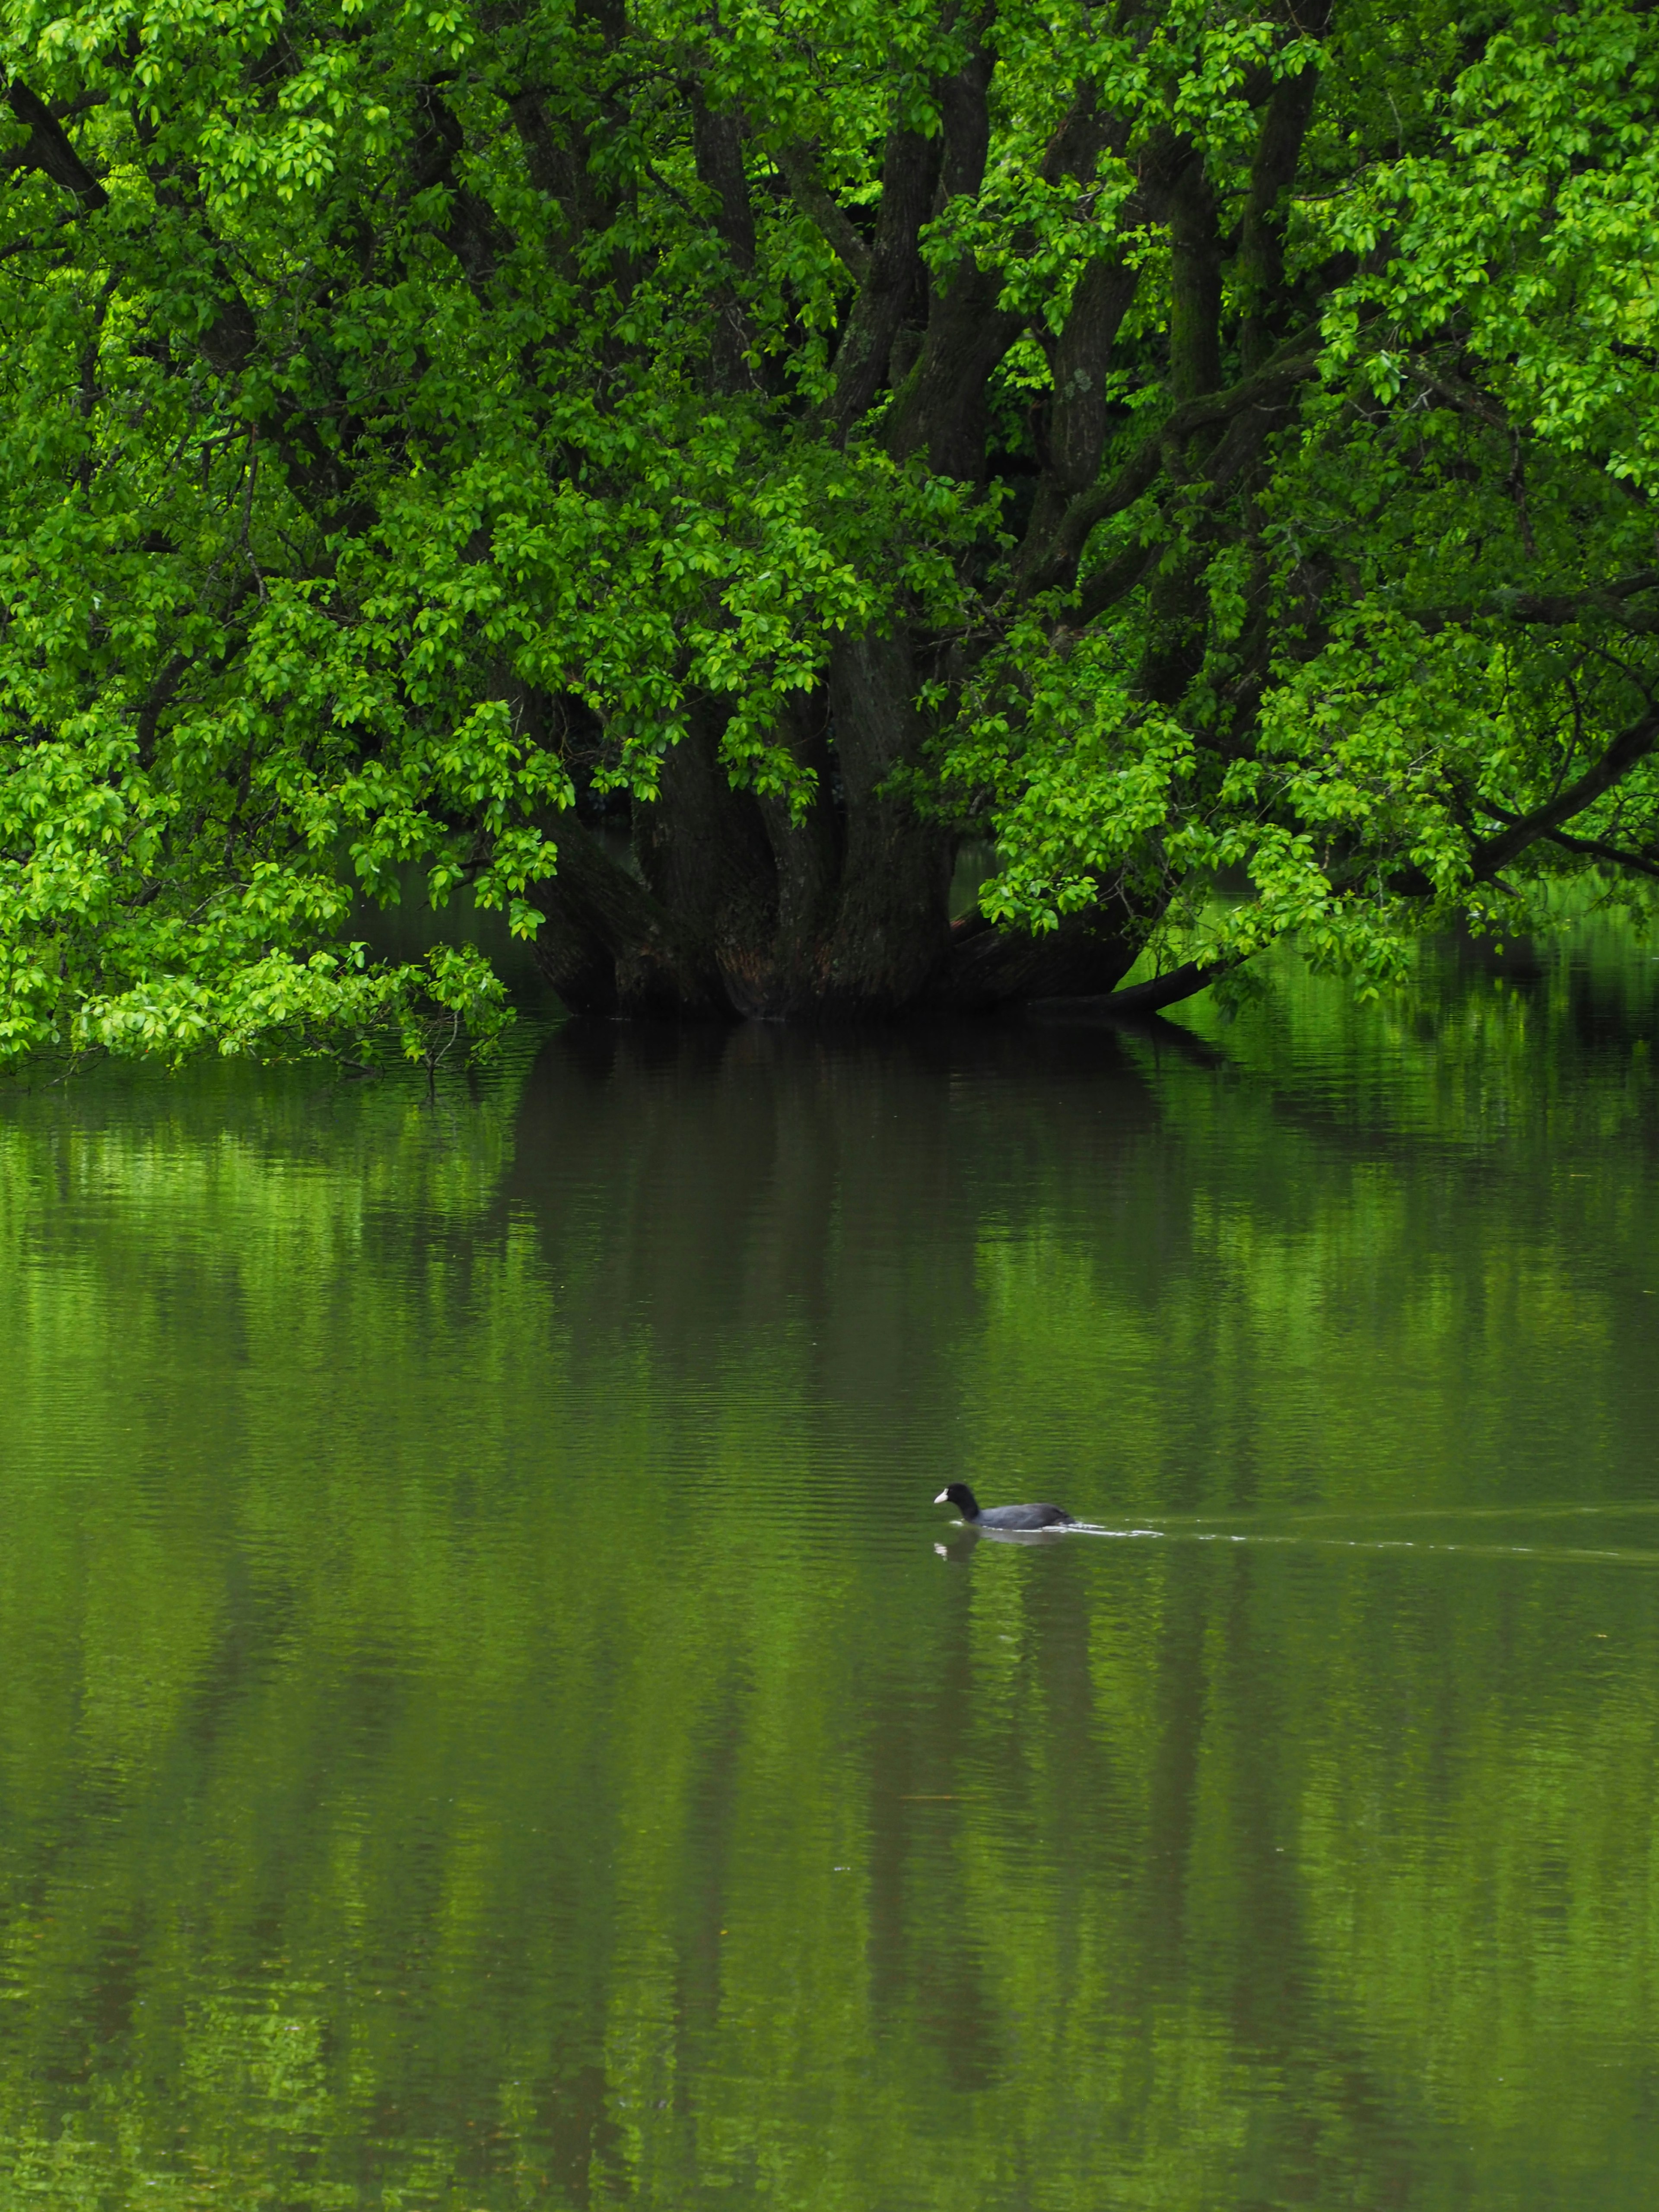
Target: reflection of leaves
[265, 2065]
[446, 1769]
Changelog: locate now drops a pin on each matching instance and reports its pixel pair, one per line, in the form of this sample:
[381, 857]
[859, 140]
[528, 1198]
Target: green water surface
[490, 1716]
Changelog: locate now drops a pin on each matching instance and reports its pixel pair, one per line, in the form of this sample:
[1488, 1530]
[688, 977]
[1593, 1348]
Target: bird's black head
[959, 1495]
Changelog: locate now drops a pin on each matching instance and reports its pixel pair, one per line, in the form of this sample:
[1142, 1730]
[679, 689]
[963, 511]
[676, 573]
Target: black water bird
[1002, 1517]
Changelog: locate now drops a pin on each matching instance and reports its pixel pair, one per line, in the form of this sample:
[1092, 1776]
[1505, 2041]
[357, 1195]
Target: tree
[1186, 451]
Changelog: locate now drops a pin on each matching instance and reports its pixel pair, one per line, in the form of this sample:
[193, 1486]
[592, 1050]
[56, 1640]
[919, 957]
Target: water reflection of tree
[440, 1754]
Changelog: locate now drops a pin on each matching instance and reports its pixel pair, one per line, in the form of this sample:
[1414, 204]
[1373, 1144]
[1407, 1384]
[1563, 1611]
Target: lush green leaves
[366, 491]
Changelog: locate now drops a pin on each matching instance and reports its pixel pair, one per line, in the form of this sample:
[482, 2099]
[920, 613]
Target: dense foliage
[1184, 448]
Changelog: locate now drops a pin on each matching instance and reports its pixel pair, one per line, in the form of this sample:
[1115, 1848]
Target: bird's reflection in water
[965, 1542]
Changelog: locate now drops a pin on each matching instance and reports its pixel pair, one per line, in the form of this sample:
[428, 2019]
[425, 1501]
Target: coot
[1003, 1516]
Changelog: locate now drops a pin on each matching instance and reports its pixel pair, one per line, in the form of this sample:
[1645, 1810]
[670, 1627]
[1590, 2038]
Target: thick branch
[1160, 991]
[1073, 439]
[48, 149]
[472, 233]
[1261, 237]
[965, 126]
[1113, 582]
[1593, 849]
[1077, 360]
[894, 277]
[717, 143]
[812, 196]
[561, 168]
[941, 407]
[1268, 389]
[1084, 957]
[1178, 606]
[1631, 745]
[1555, 609]
[1194, 285]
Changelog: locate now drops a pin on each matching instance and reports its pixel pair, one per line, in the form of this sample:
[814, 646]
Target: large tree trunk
[703, 850]
[607, 946]
[893, 922]
[727, 905]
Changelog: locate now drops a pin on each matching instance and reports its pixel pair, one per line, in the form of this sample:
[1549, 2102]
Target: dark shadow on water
[1162, 1036]
[749, 1171]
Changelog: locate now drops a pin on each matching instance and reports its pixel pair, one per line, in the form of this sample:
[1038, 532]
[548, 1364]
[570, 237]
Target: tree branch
[800, 168]
[717, 146]
[1268, 389]
[1262, 236]
[1195, 284]
[473, 231]
[1628, 748]
[1594, 849]
[1160, 991]
[1077, 359]
[894, 275]
[48, 149]
[1553, 609]
[940, 409]
[1113, 582]
[1074, 437]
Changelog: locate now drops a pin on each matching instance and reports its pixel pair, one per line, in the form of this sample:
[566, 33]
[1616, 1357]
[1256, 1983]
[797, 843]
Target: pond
[492, 1716]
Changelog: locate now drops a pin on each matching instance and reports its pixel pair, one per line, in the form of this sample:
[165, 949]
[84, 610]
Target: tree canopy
[674, 474]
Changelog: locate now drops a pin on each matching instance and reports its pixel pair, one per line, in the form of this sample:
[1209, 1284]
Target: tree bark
[607, 946]
[892, 924]
[704, 851]
[741, 909]
[807, 855]
[986, 967]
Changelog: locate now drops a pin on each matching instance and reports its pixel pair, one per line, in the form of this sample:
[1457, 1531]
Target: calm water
[492, 1718]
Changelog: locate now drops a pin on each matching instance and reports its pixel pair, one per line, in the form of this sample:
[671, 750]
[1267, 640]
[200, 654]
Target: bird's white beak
[943, 1498]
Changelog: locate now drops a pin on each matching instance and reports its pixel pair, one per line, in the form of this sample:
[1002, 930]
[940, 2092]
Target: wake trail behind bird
[1554, 1553]
[1297, 1516]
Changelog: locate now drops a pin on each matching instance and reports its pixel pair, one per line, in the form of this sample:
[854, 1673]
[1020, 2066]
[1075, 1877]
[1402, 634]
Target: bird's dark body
[1003, 1516]
[1022, 1517]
